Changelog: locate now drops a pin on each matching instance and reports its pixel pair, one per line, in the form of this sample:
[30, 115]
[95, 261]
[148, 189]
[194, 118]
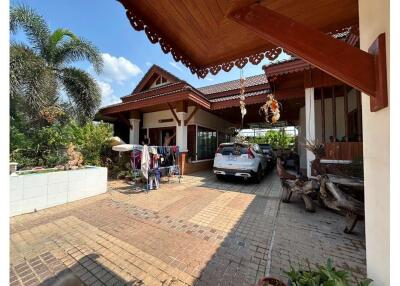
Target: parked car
[269, 154]
[240, 160]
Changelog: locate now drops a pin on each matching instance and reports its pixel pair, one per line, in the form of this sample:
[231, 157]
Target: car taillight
[218, 152]
[250, 154]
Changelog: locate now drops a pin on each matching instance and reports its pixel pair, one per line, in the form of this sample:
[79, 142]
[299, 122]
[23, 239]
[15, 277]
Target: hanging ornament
[243, 110]
[271, 108]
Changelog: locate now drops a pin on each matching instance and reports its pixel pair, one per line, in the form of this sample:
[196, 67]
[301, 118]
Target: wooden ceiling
[200, 31]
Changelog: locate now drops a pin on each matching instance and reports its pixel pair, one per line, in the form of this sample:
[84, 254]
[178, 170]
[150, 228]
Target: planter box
[31, 192]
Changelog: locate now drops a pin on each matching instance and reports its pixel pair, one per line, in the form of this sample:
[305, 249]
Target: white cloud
[118, 69]
[148, 64]
[175, 65]
[107, 94]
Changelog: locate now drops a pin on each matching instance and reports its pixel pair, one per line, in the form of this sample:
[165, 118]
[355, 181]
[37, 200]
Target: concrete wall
[32, 192]
[374, 19]
[150, 119]
[202, 118]
[209, 120]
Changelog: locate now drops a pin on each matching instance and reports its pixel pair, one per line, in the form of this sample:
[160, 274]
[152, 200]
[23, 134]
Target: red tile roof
[234, 84]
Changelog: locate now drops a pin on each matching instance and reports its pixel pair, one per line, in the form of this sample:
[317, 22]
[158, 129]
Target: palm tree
[42, 81]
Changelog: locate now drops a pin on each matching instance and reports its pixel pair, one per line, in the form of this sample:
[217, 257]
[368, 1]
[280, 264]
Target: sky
[127, 54]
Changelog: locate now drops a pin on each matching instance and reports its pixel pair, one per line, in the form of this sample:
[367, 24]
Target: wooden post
[345, 103]
[334, 113]
[323, 114]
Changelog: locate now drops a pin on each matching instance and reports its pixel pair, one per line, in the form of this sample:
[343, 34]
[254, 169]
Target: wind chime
[271, 107]
[243, 110]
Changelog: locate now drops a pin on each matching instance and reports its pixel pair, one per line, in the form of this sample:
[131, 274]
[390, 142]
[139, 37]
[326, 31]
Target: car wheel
[220, 177]
[258, 176]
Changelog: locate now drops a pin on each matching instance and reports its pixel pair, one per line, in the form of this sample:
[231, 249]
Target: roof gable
[155, 77]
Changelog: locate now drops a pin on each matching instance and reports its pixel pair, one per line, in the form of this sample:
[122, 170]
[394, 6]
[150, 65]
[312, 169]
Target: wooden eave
[158, 100]
[176, 86]
[201, 36]
[209, 36]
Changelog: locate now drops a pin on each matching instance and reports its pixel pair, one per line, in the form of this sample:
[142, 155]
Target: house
[202, 118]
[214, 36]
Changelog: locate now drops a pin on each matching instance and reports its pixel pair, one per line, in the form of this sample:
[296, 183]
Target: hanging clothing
[145, 162]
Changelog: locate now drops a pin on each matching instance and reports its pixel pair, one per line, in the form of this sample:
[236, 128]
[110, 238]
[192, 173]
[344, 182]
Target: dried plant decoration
[315, 147]
[271, 108]
[243, 110]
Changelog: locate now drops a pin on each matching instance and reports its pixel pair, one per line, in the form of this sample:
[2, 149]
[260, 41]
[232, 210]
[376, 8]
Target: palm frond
[55, 39]
[76, 50]
[82, 89]
[34, 26]
[30, 78]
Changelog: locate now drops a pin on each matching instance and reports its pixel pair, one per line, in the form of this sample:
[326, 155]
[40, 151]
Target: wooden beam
[174, 114]
[191, 115]
[134, 114]
[181, 106]
[334, 113]
[124, 120]
[346, 111]
[359, 69]
[323, 114]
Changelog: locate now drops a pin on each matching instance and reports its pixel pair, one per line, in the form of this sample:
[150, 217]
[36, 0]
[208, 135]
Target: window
[206, 143]
[160, 81]
[223, 138]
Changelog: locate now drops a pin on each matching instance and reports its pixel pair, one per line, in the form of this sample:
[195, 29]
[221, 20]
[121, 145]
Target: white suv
[240, 160]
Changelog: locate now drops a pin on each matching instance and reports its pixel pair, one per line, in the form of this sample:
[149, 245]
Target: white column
[181, 132]
[134, 131]
[310, 125]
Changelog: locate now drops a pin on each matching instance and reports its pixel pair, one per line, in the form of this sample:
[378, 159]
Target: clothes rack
[156, 172]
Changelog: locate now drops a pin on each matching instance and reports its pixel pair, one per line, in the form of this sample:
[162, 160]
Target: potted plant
[322, 276]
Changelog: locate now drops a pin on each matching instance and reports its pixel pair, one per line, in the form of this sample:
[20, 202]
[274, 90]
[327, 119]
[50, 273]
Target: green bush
[91, 139]
[46, 146]
[277, 139]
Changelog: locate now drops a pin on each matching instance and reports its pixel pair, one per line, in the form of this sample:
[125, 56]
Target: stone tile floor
[199, 232]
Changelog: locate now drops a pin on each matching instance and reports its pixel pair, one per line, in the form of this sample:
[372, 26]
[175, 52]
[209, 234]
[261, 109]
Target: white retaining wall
[32, 192]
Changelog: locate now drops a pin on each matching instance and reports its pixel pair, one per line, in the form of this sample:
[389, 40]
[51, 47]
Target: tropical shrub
[46, 146]
[91, 139]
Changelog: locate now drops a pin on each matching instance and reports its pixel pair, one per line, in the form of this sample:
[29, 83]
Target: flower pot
[270, 281]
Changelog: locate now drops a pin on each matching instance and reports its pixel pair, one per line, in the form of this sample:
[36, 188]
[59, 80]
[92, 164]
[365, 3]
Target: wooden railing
[344, 151]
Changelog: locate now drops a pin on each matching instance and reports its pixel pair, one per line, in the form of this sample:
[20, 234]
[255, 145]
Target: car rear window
[234, 150]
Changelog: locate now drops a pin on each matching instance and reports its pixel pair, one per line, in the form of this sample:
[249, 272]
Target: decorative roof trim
[152, 70]
[155, 36]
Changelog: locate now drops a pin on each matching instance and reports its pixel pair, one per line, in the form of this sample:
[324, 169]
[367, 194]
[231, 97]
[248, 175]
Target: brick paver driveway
[201, 231]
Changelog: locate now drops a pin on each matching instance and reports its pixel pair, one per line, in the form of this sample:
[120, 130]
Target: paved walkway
[199, 232]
